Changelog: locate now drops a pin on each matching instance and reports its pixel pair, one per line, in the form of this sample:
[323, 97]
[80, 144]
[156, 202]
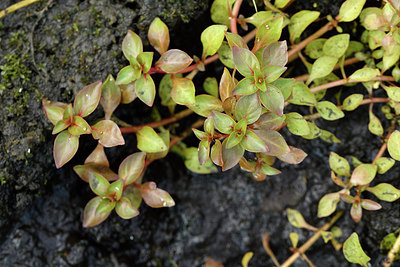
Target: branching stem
[384, 145]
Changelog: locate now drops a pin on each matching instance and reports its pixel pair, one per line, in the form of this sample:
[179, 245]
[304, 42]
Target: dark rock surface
[222, 216]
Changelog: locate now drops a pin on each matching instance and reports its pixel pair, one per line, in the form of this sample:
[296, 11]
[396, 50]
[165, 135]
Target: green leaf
[231, 156]
[300, 21]
[87, 99]
[235, 40]
[352, 102]
[384, 164]
[329, 137]
[329, 111]
[110, 96]
[65, 147]
[394, 145]
[268, 32]
[83, 171]
[98, 184]
[223, 122]
[246, 86]
[322, 67]
[108, 133]
[225, 55]
[133, 194]
[337, 45]
[353, 251]
[374, 125]
[372, 18]
[363, 174]
[126, 75]
[273, 100]
[385, 192]
[106, 205]
[251, 142]
[155, 197]
[275, 54]
[285, 85]
[272, 72]
[145, 59]
[53, 110]
[159, 155]
[132, 167]
[132, 45]
[212, 38]
[79, 126]
[257, 19]
[245, 61]
[149, 141]
[158, 35]
[98, 156]
[269, 122]
[249, 108]
[225, 85]
[375, 39]
[220, 11]
[393, 92]
[293, 156]
[205, 104]
[204, 151]
[193, 164]
[275, 142]
[173, 61]
[315, 49]
[327, 236]
[128, 93]
[145, 89]
[183, 91]
[164, 91]
[210, 85]
[296, 219]
[301, 95]
[125, 209]
[297, 124]
[339, 165]
[281, 4]
[327, 204]
[365, 75]
[314, 131]
[90, 215]
[350, 10]
[115, 189]
[246, 259]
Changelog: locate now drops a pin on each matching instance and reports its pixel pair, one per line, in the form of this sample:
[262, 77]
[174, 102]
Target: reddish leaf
[370, 205]
[269, 122]
[363, 174]
[98, 184]
[245, 61]
[65, 147]
[273, 100]
[275, 54]
[115, 189]
[251, 142]
[356, 212]
[155, 197]
[106, 205]
[132, 167]
[53, 110]
[223, 122]
[90, 216]
[132, 45]
[108, 133]
[275, 142]
[87, 99]
[249, 108]
[226, 85]
[83, 171]
[158, 35]
[79, 126]
[128, 93]
[125, 209]
[173, 61]
[98, 156]
[110, 96]
[204, 152]
[216, 153]
[231, 157]
[294, 156]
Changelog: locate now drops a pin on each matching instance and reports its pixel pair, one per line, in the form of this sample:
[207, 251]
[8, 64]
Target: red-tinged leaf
[90, 216]
[127, 75]
[268, 170]
[273, 100]
[233, 139]
[128, 93]
[65, 147]
[275, 54]
[269, 32]
[145, 89]
[115, 189]
[226, 85]
[370, 205]
[98, 156]
[337, 180]
[245, 61]
[272, 72]
[83, 171]
[212, 38]
[125, 209]
[269, 122]
[132, 167]
[183, 91]
[110, 96]
[199, 134]
[68, 114]
[158, 35]
[87, 99]
[294, 156]
[356, 212]
[173, 61]
[132, 45]
[205, 104]
[98, 184]
[246, 86]
[231, 157]
[79, 126]
[216, 153]
[61, 126]
[155, 197]
[249, 108]
[363, 174]
[275, 142]
[53, 110]
[347, 198]
[145, 59]
[246, 165]
[223, 122]
[209, 126]
[235, 40]
[106, 205]
[133, 194]
[386, 192]
[204, 151]
[327, 204]
[251, 142]
[108, 133]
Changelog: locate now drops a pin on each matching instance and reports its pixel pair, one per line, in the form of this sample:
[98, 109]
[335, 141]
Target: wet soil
[222, 216]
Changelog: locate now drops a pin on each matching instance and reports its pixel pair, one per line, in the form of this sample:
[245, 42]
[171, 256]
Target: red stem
[235, 13]
[384, 145]
[344, 81]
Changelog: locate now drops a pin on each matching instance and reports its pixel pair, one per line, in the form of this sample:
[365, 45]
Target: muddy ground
[223, 215]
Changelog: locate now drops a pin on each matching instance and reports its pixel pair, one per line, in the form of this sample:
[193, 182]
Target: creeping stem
[384, 145]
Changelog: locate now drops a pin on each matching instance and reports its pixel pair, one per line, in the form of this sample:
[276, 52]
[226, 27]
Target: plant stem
[235, 13]
[384, 145]
[311, 241]
[292, 53]
[155, 124]
[16, 6]
[344, 81]
[392, 253]
[267, 248]
[347, 62]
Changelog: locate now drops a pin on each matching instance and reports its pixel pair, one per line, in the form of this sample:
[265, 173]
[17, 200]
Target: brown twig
[155, 124]
[16, 6]
[267, 248]
[311, 241]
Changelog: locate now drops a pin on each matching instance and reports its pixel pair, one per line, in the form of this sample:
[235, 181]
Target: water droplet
[131, 237]
[87, 95]
[164, 203]
[84, 128]
[29, 150]
[20, 90]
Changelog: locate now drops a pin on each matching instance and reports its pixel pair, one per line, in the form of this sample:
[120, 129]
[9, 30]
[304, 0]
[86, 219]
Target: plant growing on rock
[242, 113]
